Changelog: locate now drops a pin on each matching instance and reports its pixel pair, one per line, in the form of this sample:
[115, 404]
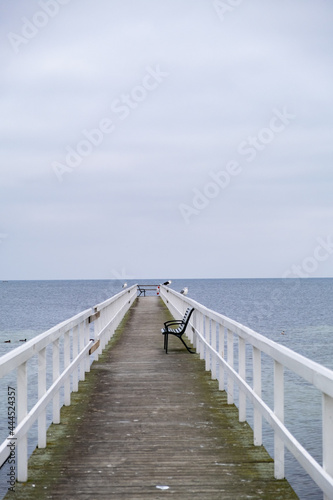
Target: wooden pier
[149, 425]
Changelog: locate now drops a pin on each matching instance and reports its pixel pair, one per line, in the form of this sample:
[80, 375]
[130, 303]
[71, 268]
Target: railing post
[97, 329]
[213, 356]
[86, 341]
[221, 353]
[279, 412]
[112, 329]
[108, 319]
[22, 410]
[230, 359]
[102, 326]
[257, 417]
[75, 353]
[41, 392]
[56, 372]
[201, 331]
[81, 346]
[195, 326]
[67, 360]
[116, 310]
[242, 374]
[207, 338]
[327, 436]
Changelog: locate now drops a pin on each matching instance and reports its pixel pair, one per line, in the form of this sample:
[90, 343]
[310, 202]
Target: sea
[296, 313]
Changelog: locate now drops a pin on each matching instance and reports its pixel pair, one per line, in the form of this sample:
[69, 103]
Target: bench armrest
[174, 322]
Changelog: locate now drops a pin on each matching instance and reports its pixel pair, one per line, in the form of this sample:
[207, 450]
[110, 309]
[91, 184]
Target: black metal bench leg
[166, 342]
[189, 350]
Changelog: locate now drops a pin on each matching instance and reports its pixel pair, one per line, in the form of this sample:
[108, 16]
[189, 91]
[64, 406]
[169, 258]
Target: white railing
[210, 332]
[67, 347]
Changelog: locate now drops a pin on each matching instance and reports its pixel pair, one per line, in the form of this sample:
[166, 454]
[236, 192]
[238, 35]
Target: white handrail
[21, 354]
[202, 333]
[71, 342]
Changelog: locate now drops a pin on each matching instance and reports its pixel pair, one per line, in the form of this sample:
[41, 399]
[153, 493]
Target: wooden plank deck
[149, 425]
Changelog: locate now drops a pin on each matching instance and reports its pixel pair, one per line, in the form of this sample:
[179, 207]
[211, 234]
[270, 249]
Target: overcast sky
[166, 139]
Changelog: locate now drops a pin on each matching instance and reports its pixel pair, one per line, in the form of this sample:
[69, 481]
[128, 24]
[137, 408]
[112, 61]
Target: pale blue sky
[213, 156]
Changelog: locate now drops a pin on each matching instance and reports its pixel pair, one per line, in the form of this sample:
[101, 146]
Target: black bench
[142, 289]
[181, 325]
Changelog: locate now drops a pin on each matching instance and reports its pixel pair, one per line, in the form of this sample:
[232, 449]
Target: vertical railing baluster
[230, 359]
[97, 329]
[214, 360]
[100, 323]
[196, 333]
[108, 319]
[75, 353]
[41, 392]
[55, 376]
[202, 332]
[198, 326]
[81, 346]
[279, 412]
[327, 436]
[67, 360]
[22, 410]
[112, 313]
[86, 341]
[207, 336]
[242, 374]
[257, 417]
[221, 353]
[195, 322]
[104, 323]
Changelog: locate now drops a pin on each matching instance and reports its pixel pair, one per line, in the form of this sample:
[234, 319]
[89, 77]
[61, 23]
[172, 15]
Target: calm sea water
[301, 309]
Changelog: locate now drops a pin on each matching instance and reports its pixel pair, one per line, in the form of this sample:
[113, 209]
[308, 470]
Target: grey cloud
[224, 81]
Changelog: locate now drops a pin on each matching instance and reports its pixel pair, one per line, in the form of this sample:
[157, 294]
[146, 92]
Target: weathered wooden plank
[95, 316]
[143, 420]
[94, 347]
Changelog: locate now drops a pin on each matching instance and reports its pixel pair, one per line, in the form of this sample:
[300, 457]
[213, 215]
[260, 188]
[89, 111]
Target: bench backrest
[187, 315]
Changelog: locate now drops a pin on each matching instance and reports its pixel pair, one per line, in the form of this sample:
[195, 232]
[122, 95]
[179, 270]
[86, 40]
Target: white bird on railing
[167, 283]
[124, 285]
[184, 291]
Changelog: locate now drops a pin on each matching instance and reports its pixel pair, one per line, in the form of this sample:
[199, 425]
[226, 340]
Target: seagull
[124, 285]
[184, 291]
[167, 283]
